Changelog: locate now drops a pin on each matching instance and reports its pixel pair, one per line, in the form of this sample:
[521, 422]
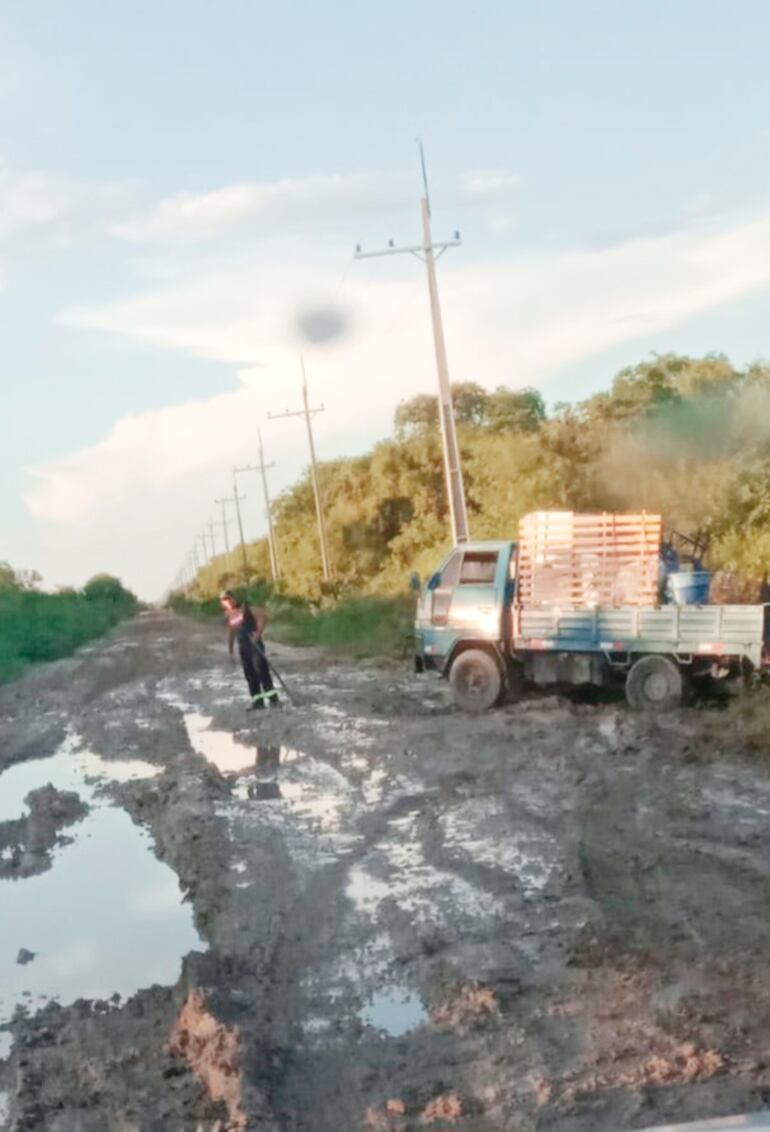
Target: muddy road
[366, 912]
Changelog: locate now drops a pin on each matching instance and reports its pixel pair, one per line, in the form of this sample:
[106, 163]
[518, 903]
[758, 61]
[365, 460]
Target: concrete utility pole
[224, 524]
[211, 536]
[205, 546]
[237, 501]
[429, 252]
[263, 468]
[308, 413]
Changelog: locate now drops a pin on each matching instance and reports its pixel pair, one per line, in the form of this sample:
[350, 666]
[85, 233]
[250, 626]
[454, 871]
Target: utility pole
[429, 252]
[211, 536]
[224, 523]
[262, 467]
[204, 544]
[308, 413]
[237, 501]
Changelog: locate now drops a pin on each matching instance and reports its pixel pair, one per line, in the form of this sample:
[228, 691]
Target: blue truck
[473, 629]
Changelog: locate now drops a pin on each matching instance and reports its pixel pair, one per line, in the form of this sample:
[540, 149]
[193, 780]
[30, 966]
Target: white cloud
[514, 323]
[39, 209]
[273, 204]
[285, 204]
[491, 184]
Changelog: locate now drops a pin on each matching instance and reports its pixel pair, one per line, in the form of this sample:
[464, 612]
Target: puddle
[311, 789]
[69, 768]
[395, 1010]
[107, 917]
[220, 748]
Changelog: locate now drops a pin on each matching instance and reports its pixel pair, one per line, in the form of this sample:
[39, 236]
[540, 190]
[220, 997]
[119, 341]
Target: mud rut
[556, 916]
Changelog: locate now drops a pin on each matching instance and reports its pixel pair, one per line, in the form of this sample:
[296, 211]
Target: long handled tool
[259, 649]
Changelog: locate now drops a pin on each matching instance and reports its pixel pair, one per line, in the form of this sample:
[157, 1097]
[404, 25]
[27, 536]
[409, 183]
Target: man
[246, 626]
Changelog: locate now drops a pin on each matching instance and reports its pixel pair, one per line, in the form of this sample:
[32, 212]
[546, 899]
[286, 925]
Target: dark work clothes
[255, 667]
[243, 625]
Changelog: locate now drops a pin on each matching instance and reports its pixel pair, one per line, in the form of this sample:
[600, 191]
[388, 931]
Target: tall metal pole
[452, 466]
[240, 526]
[308, 413]
[429, 252]
[204, 544]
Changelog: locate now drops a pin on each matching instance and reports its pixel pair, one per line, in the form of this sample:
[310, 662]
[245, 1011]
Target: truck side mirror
[414, 582]
[434, 581]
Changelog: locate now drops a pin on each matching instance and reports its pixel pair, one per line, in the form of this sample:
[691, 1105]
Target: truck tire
[654, 683]
[476, 680]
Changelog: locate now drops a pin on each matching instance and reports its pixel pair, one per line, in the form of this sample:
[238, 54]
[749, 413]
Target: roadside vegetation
[37, 626]
[689, 437]
[365, 625]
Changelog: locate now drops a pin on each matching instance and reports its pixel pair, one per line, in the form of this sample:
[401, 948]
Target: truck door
[444, 591]
[477, 605]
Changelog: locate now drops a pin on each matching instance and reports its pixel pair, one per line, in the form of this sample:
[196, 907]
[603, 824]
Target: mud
[555, 916]
[27, 842]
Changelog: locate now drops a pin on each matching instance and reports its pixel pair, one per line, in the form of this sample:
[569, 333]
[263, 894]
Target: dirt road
[365, 911]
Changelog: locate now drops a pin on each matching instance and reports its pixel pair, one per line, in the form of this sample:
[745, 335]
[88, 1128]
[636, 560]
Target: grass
[359, 626]
[744, 725]
[37, 626]
[355, 626]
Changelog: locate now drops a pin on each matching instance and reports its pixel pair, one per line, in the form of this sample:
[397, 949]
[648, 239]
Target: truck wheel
[476, 680]
[654, 684]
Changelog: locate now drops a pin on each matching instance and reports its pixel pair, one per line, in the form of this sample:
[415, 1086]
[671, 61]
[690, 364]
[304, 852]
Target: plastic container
[691, 588]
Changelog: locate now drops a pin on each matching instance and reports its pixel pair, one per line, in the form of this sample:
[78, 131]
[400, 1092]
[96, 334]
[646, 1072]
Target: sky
[182, 186]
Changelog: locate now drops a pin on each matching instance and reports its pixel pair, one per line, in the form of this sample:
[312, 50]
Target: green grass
[357, 626]
[37, 626]
[360, 626]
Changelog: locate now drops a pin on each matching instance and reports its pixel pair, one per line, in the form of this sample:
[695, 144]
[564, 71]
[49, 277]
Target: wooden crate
[581, 561]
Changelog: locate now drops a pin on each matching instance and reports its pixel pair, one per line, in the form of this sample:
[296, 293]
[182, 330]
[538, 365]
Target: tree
[515, 410]
[106, 587]
[7, 577]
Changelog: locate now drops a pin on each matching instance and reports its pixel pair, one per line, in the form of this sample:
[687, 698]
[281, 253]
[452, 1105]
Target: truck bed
[682, 630]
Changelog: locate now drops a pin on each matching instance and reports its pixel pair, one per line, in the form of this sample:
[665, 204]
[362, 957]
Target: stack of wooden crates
[580, 561]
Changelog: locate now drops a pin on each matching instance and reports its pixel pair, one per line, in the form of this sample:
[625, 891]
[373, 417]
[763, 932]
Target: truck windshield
[478, 567]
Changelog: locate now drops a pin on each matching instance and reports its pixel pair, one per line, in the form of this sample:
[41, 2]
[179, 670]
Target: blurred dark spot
[321, 324]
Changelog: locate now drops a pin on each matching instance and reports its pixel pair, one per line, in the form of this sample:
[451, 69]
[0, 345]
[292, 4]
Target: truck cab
[466, 604]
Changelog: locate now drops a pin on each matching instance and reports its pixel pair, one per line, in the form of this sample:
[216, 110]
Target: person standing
[246, 626]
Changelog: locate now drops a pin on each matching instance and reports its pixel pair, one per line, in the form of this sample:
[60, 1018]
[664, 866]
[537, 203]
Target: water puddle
[223, 750]
[71, 767]
[107, 917]
[220, 748]
[312, 790]
[395, 1010]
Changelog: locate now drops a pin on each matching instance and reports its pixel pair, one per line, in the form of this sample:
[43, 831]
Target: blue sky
[178, 181]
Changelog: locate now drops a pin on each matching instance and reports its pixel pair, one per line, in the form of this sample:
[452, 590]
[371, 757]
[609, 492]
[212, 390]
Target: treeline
[689, 437]
[36, 626]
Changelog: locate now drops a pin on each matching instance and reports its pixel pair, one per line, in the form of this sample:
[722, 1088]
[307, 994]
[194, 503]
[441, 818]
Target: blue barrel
[689, 588]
